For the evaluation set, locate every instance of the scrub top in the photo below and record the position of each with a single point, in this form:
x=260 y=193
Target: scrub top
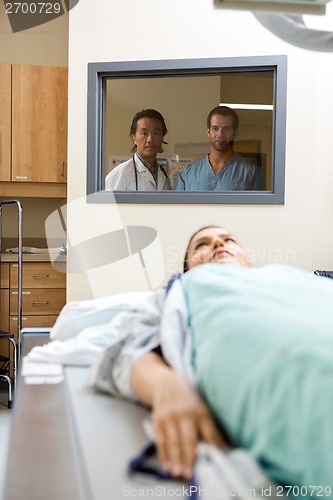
x=239 y=174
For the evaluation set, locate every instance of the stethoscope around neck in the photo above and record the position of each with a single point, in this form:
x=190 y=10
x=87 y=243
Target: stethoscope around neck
x=136 y=173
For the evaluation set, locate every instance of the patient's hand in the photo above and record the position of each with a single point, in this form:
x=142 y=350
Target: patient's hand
x=180 y=417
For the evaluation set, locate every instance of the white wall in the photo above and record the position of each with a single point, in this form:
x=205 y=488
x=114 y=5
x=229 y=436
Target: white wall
x=300 y=232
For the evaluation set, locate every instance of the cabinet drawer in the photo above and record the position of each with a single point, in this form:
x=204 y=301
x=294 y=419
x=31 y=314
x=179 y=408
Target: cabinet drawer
x=4 y=310
x=4 y=322
x=38 y=302
x=4 y=275
x=31 y=321
x=37 y=275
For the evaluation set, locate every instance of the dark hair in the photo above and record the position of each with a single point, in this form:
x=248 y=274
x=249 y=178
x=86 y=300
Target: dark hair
x=223 y=111
x=147 y=113
x=185 y=265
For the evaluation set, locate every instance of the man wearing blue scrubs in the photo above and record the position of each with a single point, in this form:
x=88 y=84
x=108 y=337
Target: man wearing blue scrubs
x=222 y=169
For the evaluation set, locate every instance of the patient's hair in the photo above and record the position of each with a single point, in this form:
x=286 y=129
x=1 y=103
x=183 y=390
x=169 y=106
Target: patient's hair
x=147 y=113
x=185 y=265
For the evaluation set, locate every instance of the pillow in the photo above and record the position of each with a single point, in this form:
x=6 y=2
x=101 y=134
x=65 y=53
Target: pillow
x=77 y=315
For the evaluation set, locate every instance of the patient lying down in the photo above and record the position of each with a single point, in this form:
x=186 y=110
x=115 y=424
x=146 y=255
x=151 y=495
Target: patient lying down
x=257 y=343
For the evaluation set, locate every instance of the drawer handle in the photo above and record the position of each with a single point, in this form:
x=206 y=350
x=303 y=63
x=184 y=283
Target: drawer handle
x=41 y=275
x=23 y=293
x=40 y=303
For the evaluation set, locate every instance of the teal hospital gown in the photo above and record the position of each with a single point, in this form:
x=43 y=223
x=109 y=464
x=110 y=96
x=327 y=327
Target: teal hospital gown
x=263 y=360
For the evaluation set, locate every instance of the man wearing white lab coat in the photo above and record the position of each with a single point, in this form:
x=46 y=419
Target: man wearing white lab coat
x=133 y=175
x=142 y=172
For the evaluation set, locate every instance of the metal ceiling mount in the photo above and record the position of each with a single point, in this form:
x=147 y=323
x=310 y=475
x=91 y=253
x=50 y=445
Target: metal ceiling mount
x=284 y=18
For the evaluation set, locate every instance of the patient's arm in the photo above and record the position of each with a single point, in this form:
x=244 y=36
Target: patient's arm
x=180 y=417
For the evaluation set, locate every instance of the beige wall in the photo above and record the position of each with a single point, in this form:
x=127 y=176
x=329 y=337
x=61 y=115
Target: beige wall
x=44 y=45
x=300 y=232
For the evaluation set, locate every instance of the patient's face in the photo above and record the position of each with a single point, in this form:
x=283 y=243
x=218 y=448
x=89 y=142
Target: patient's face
x=215 y=244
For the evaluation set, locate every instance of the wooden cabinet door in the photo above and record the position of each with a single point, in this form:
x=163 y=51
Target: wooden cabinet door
x=39 y=123
x=5 y=121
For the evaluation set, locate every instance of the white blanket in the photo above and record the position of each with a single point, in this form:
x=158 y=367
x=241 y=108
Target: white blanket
x=84 y=329
x=111 y=333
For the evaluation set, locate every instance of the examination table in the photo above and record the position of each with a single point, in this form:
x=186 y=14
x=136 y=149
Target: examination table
x=69 y=443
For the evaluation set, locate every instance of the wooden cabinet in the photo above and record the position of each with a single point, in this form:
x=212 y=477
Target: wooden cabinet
x=5 y=121
x=33 y=130
x=39 y=123
x=43 y=294
x=43 y=297
x=4 y=302
x=4 y=307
